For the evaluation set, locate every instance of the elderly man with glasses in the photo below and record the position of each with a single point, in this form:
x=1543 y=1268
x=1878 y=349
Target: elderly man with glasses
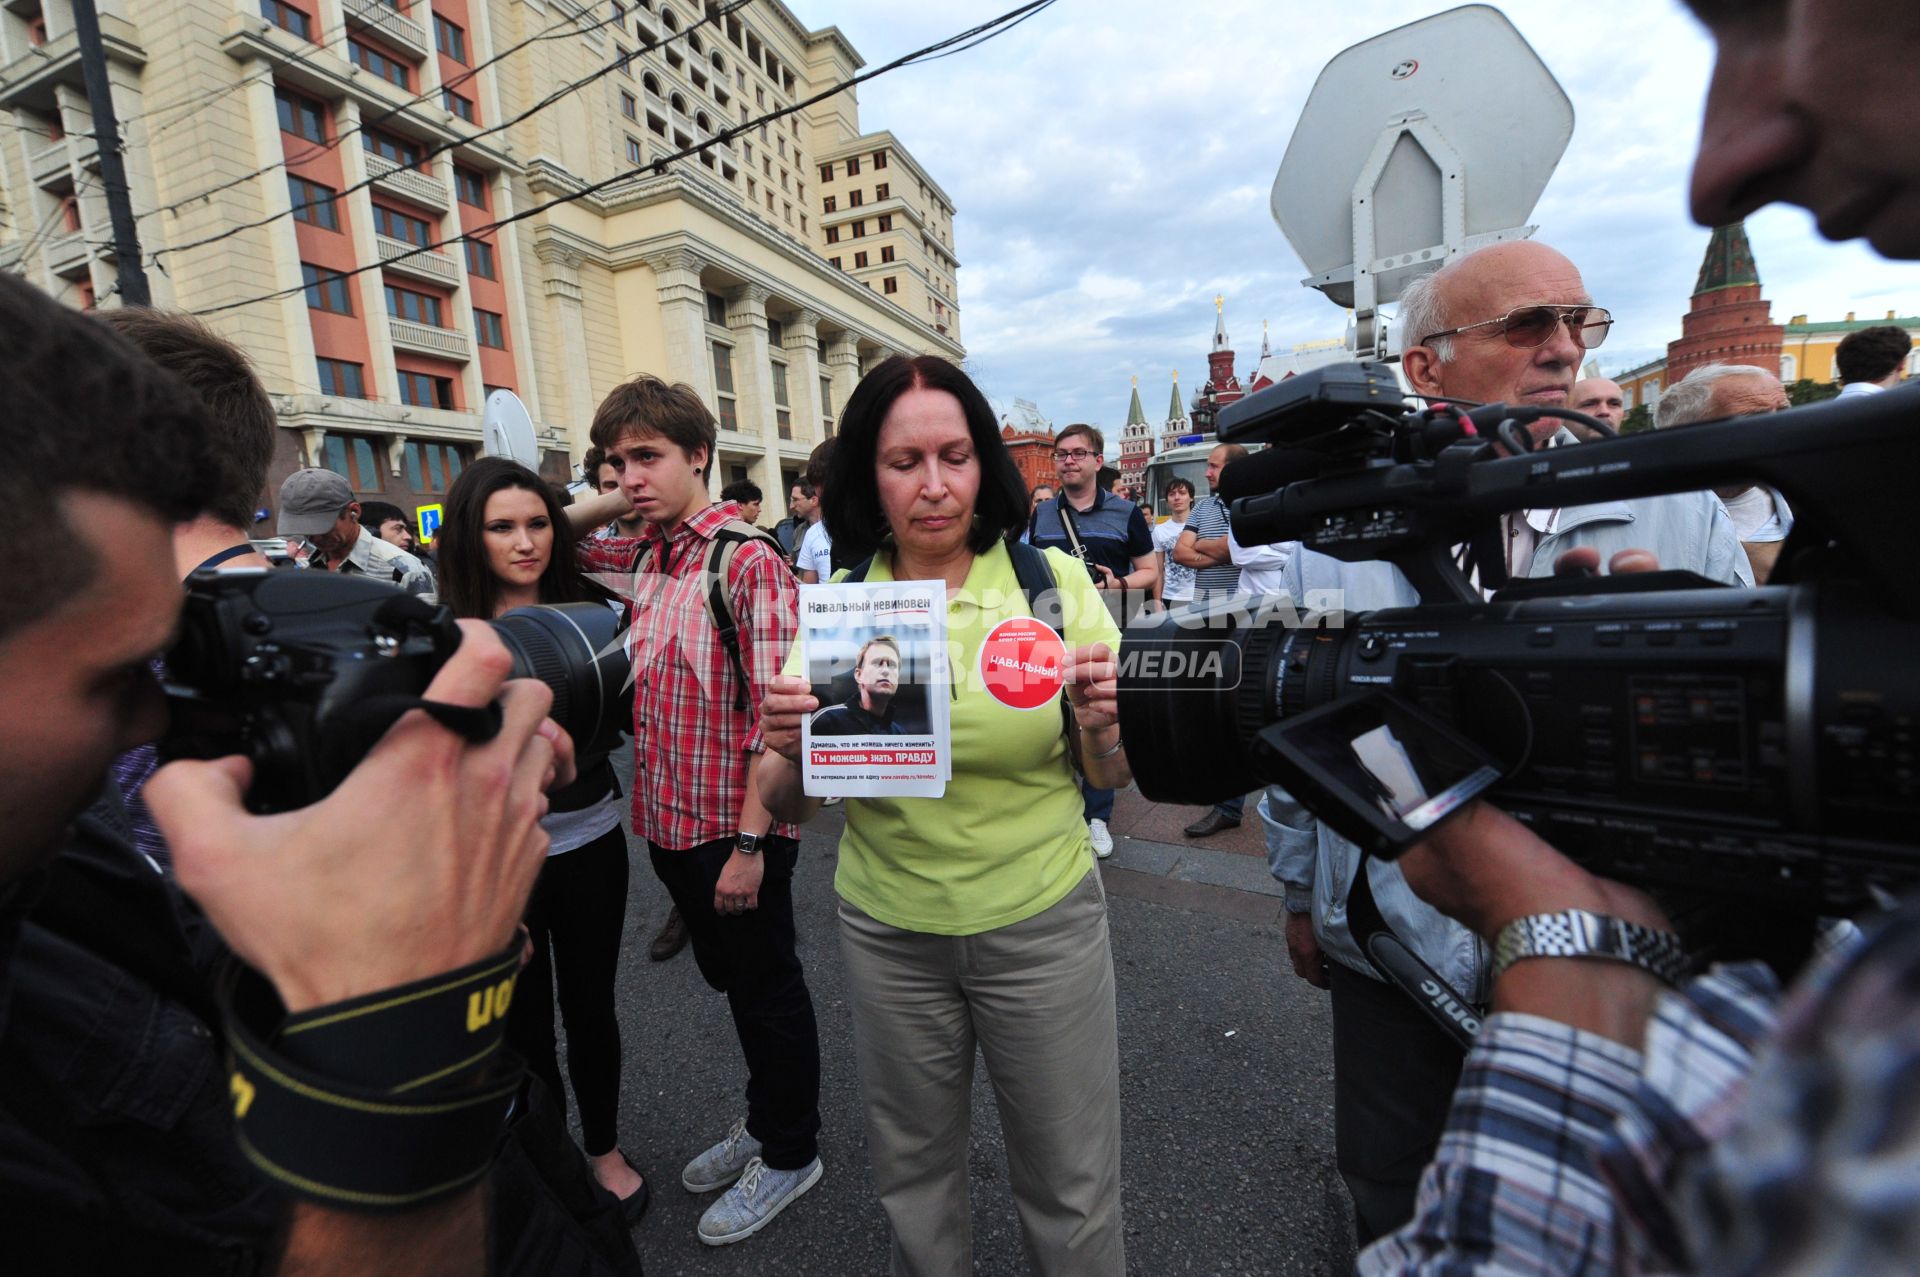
x=1511 y=323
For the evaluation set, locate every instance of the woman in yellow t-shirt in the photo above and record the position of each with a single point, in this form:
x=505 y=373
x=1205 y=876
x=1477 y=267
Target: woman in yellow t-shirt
x=977 y=918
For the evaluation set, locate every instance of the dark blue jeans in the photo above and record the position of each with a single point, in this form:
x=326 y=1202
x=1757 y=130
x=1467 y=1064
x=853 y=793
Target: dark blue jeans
x=1098 y=802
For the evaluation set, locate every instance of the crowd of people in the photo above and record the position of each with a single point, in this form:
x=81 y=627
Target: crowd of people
x=324 y=1040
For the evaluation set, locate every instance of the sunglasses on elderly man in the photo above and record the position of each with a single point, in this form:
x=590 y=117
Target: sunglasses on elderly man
x=1530 y=327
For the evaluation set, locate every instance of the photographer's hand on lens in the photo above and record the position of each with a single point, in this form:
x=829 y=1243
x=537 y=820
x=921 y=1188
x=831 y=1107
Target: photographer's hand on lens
x=1486 y=869
x=420 y=862
x=788 y=702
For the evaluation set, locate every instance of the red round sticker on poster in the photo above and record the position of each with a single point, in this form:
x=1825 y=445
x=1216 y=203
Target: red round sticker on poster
x=1023 y=663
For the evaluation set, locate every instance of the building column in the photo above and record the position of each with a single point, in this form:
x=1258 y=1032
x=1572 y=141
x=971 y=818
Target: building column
x=752 y=371
x=560 y=282
x=802 y=345
x=843 y=365
x=683 y=319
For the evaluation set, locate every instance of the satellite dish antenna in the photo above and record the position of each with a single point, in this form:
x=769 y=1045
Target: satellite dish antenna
x=1414 y=148
x=507 y=431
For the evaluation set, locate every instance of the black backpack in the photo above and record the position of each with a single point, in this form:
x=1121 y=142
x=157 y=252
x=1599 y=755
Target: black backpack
x=726 y=543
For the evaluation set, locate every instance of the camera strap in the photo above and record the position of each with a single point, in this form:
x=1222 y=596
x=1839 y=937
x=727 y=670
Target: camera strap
x=383 y=1102
x=1398 y=965
x=475 y=724
x=1072 y=527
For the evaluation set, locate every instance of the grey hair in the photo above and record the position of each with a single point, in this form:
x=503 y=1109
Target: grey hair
x=1692 y=398
x=1420 y=315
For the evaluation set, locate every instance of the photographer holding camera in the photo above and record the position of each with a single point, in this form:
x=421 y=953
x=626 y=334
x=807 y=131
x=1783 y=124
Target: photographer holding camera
x=1510 y=323
x=1604 y=1121
x=125 y=1144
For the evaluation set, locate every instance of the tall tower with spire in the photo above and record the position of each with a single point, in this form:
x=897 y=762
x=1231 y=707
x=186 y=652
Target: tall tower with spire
x=1223 y=386
x=1176 y=423
x=1136 y=444
x=1728 y=322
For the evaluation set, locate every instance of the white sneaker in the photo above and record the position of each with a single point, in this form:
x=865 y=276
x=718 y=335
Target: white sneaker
x=1102 y=840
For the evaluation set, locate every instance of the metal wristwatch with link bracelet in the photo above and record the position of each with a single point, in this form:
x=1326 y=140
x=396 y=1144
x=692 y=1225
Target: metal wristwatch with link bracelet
x=1578 y=933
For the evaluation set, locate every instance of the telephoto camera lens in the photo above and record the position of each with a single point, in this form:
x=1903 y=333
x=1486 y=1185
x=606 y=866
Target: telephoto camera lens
x=580 y=651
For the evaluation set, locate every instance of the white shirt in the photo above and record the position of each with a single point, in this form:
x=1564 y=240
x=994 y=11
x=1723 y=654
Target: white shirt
x=1759 y=514
x=816 y=552
x=1262 y=567
x=1853 y=388
x=1178 y=586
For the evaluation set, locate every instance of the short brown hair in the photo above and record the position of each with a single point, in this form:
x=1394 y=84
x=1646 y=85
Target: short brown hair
x=239 y=417
x=590 y=466
x=1097 y=440
x=817 y=462
x=649 y=406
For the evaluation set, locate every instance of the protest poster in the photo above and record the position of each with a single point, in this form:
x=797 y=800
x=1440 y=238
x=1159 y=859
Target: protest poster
x=875 y=654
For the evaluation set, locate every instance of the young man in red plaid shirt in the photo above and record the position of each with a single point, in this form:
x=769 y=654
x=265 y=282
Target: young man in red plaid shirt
x=727 y=864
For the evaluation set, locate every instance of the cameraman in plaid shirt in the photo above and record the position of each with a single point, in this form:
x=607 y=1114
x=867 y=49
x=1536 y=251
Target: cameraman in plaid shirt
x=727 y=864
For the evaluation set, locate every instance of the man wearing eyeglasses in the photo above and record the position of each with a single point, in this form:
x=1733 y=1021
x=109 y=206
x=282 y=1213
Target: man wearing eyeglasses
x=1110 y=535
x=1511 y=323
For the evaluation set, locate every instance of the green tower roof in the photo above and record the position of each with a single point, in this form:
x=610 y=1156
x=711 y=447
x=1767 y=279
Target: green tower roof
x=1729 y=260
x=1136 y=415
x=1176 y=411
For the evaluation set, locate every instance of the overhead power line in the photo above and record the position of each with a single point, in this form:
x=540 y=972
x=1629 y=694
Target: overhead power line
x=969 y=38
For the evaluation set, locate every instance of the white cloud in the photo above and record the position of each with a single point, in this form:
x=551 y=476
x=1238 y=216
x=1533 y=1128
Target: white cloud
x=1111 y=163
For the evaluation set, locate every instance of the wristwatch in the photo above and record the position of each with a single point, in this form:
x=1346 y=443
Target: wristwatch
x=1578 y=933
x=747 y=844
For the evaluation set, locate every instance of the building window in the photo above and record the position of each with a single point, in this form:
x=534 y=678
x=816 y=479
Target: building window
x=390 y=69
x=418 y=308
x=480 y=259
x=882 y=190
x=490 y=330
x=891 y=284
x=629 y=105
x=776 y=333
x=326 y=290
x=313 y=203
x=826 y=172
x=855 y=199
x=853 y=166
x=450 y=39
x=388 y=147
x=859 y=260
x=656 y=124
x=782 y=410
x=302 y=117
x=723 y=386
x=859 y=229
x=457 y=105
x=833 y=234
x=397 y=225
x=625 y=59
x=1789 y=369
x=885 y=222
x=879 y=159
x=716 y=309
x=425 y=391
x=281 y=15
x=353 y=458
x=341 y=379
x=432 y=467
x=886 y=254
x=470 y=186
x=636 y=154
x=834 y=262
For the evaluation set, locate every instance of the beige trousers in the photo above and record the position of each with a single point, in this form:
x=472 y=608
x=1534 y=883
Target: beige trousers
x=1037 y=998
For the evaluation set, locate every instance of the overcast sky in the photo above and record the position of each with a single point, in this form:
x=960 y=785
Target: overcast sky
x=1111 y=162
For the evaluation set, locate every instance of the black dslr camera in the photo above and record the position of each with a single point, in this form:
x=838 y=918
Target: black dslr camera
x=303 y=672
x=1757 y=745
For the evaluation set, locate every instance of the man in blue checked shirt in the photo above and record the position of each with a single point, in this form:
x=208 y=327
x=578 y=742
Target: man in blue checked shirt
x=1606 y=1121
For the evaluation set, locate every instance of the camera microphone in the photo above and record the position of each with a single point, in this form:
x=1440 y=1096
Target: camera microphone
x=1267 y=471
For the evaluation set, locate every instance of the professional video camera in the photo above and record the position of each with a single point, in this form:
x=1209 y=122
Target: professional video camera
x=304 y=671
x=1660 y=728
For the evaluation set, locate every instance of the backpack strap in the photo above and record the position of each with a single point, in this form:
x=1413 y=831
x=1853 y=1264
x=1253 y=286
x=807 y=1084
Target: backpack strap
x=1042 y=588
x=718 y=570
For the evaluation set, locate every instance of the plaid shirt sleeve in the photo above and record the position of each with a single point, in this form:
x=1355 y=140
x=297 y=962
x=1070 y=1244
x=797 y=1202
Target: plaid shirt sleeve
x=610 y=559
x=766 y=600
x=1562 y=1146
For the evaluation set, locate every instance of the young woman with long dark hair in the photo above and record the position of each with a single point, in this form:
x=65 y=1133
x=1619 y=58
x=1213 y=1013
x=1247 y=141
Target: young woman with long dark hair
x=505 y=544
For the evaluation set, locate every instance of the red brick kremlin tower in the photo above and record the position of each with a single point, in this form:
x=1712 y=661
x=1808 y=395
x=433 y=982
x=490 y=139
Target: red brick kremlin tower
x=1729 y=321
x=1223 y=386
